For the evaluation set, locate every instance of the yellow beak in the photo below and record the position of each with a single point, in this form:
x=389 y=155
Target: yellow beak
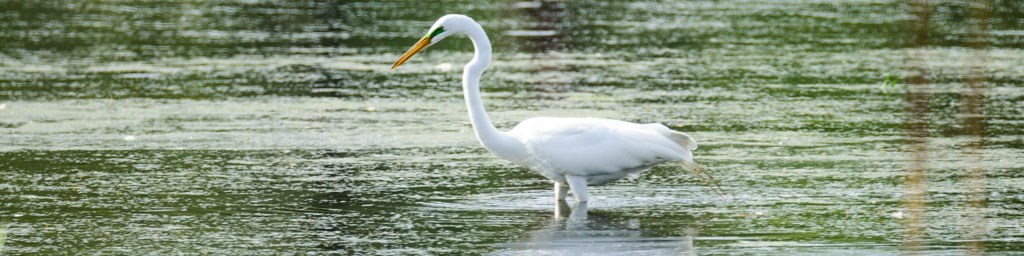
x=422 y=43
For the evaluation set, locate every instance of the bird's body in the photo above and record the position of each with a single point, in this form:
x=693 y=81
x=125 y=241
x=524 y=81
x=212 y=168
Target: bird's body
x=600 y=150
x=569 y=151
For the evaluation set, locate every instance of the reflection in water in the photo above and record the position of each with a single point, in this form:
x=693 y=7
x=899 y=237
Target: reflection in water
x=920 y=92
x=916 y=127
x=543 y=31
x=545 y=26
x=974 y=129
x=3 y=235
x=576 y=231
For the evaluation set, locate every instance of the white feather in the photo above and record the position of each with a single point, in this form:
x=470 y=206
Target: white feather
x=602 y=150
x=570 y=151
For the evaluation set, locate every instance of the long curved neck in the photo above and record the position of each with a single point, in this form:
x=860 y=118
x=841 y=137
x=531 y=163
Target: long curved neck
x=495 y=141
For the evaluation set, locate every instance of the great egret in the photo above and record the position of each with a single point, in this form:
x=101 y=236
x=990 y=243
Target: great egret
x=573 y=152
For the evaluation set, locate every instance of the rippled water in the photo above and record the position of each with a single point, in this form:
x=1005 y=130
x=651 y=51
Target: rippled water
x=250 y=127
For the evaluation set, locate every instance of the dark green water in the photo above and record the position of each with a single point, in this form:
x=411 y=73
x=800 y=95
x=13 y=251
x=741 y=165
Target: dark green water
x=249 y=127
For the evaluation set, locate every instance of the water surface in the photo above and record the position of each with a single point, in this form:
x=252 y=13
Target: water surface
x=248 y=127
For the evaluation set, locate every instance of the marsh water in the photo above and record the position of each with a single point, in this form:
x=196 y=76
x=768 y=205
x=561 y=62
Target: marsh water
x=252 y=127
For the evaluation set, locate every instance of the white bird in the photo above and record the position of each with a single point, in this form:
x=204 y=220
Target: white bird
x=573 y=152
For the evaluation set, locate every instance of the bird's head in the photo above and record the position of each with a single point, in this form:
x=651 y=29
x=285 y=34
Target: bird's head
x=445 y=26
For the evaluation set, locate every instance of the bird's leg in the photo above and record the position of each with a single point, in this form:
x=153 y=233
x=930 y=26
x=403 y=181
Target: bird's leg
x=561 y=190
x=562 y=210
x=579 y=212
x=578 y=184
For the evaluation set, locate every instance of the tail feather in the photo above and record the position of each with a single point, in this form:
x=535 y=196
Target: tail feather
x=680 y=138
x=683 y=139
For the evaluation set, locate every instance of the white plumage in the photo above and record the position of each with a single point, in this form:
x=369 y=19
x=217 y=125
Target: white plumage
x=569 y=151
x=601 y=150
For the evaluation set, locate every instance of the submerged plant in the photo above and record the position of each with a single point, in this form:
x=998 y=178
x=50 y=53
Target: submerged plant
x=889 y=82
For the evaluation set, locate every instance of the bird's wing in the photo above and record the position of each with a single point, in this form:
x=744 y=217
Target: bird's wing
x=591 y=146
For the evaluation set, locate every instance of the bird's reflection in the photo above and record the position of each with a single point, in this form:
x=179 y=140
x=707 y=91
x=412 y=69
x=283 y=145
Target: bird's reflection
x=577 y=231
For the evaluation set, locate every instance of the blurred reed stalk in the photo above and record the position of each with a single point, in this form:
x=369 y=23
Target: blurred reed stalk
x=916 y=127
x=973 y=94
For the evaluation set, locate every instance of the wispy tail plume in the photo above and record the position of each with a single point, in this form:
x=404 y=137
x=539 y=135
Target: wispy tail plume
x=704 y=176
